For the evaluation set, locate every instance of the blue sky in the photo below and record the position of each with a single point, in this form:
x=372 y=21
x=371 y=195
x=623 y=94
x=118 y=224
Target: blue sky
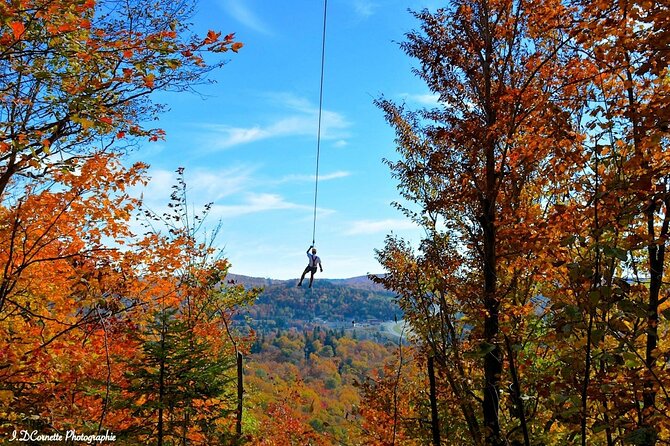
x=248 y=142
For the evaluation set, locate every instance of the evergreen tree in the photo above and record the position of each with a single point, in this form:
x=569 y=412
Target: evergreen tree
x=177 y=373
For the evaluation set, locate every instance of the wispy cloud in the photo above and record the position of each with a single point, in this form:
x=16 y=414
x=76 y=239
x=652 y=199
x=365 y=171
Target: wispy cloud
x=255 y=203
x=364 y=8
x=229 y=190
x=221 y=183
x=300 y=119
x=309 y=178
x=240 y=11
x=429 y=99
x=204 y=185
x=365 y=227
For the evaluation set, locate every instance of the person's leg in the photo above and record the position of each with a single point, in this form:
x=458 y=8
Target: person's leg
x=311 y=277
x=303 y=276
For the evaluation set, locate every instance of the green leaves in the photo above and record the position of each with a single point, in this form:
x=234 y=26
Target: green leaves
x=482 y=350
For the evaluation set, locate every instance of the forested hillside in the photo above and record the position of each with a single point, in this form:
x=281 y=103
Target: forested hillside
x=308 y=386
x=282 y=304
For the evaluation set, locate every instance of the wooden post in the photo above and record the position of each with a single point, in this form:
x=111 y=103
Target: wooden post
x=240 y=396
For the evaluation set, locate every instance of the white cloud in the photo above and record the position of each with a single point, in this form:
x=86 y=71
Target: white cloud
x=310 y=178
x=300 y=120
x=254 y=203
x=291 y=101
x=202 y=185
x=341 y=143
x=364 y=8
x=220 y=183
x=240 y=11
x=429 y=99
x=365 y=227
x=237 y=135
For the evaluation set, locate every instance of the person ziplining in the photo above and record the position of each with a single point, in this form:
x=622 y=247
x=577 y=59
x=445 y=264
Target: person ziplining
x=314 y=260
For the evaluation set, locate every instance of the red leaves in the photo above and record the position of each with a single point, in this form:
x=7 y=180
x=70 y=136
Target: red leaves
x=18 y=28
x=66 y=28
x=216 y=44
x=212 y=37
x=157 y=135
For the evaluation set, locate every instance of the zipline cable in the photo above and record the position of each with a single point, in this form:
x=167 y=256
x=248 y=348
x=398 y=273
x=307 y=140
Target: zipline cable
x=318 y=132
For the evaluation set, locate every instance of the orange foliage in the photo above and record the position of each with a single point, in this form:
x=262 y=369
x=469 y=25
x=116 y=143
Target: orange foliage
x=76 y=285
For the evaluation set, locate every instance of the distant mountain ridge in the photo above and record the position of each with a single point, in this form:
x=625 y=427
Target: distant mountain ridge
x=283 y=304
x=358 y=282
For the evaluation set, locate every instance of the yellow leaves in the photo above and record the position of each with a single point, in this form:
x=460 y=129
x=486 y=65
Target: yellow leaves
x=173 y=64
x=84 y=122
x=6 y=397
x=149 y=80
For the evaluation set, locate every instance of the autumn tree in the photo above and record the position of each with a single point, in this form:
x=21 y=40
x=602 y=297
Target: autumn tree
x=181 y=386
x=627 y=108
x=77 y=76
x=541 y=182
x=76 y=83
x=430 y=307
x=479 y=167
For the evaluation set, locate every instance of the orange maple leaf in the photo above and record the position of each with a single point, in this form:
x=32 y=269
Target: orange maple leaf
x=212 y=37
x=18 y=29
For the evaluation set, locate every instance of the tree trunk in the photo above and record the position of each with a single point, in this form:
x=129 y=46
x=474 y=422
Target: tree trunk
x=434 y=421
x=493 y=359
x=161 y=386
x=656 y=254
x=520 y=411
